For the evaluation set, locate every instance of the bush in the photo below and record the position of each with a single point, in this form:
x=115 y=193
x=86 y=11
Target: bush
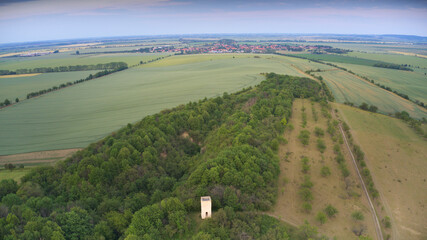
x=325 y=171
x=321 y=217
x=321 y=145
x=306 y=206
x=358 y=216
x=306 y=194
x=307 y=182
x=305 y=165
x=387 y=222
x=304 y=137
x=319 y=132
x=330 y=210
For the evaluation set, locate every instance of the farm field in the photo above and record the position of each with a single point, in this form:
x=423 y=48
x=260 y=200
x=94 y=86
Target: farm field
x=326 y=190
x=396 y=157
x=391 y=58
x=13 y=87
x=339 y=59
x=381 y=47
x=349 y=88
x=69 y=58
x=81 y=114
x=414 y=84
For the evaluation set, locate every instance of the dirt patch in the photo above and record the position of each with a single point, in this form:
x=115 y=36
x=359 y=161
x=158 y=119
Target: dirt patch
x=326 y=190
x=186 y=135
x=35 y=158
x=249 y=104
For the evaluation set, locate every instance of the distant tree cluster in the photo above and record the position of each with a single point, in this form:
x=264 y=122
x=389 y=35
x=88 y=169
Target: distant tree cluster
x=393 y=66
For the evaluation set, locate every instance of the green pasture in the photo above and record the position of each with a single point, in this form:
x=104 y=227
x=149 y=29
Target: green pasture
x=86 y=112
x=414 y=84
x=14 y=87
x=379 y=125
x=348 y=88
x=16 y=174
x=69 y=59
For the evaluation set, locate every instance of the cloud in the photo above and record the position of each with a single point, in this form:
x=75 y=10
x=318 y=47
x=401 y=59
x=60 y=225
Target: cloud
x=30 y=8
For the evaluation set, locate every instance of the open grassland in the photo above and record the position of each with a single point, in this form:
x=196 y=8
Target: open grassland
x=331 y=189
x=349 y=88
x=414 y=84
x=81 y=114
x=68 y=59
x=16 y=174
x=13 y=87
x=396 y=157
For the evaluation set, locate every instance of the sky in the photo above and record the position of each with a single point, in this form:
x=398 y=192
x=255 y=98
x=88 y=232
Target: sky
x=37 y=20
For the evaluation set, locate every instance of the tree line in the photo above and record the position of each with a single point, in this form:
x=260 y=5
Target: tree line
x=100 y=66
x=146 y=179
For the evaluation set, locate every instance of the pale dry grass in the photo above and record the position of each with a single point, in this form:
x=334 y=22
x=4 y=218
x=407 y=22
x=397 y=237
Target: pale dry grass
x=36 y=158
x=326 y=190
x=20 y=75
x=397 y=159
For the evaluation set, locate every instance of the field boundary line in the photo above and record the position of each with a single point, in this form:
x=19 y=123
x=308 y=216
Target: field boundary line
x=374 y=213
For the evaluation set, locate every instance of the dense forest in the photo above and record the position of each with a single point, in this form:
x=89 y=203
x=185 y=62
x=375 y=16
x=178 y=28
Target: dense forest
x=100 y=66
x=145 y=180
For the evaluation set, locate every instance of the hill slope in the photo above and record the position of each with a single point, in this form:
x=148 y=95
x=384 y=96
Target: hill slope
x=146 y=179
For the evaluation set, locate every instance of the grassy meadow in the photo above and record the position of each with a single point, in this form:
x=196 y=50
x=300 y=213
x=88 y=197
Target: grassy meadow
x=396 y=157
x=326 y=190
x=411 y=83
x=13 y=87
x=81 y=114
x=349 y=88
x=69 y=59
x=16 y=174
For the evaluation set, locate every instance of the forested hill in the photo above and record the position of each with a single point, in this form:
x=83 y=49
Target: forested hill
x=145 y=180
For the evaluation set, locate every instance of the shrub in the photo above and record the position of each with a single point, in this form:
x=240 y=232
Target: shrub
x=305 y=165
x=321 y=217
x=321 y=145
x=304 y=137
x=358 y=216
x=325 y=171
x=306 y=194
x=387 y=222
x=307 y=182
x=330 y=210
x=307 y=207
x=319 y=132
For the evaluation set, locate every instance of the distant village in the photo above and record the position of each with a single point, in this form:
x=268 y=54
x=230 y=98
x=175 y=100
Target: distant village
x=230 y=46
x=221 y=46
